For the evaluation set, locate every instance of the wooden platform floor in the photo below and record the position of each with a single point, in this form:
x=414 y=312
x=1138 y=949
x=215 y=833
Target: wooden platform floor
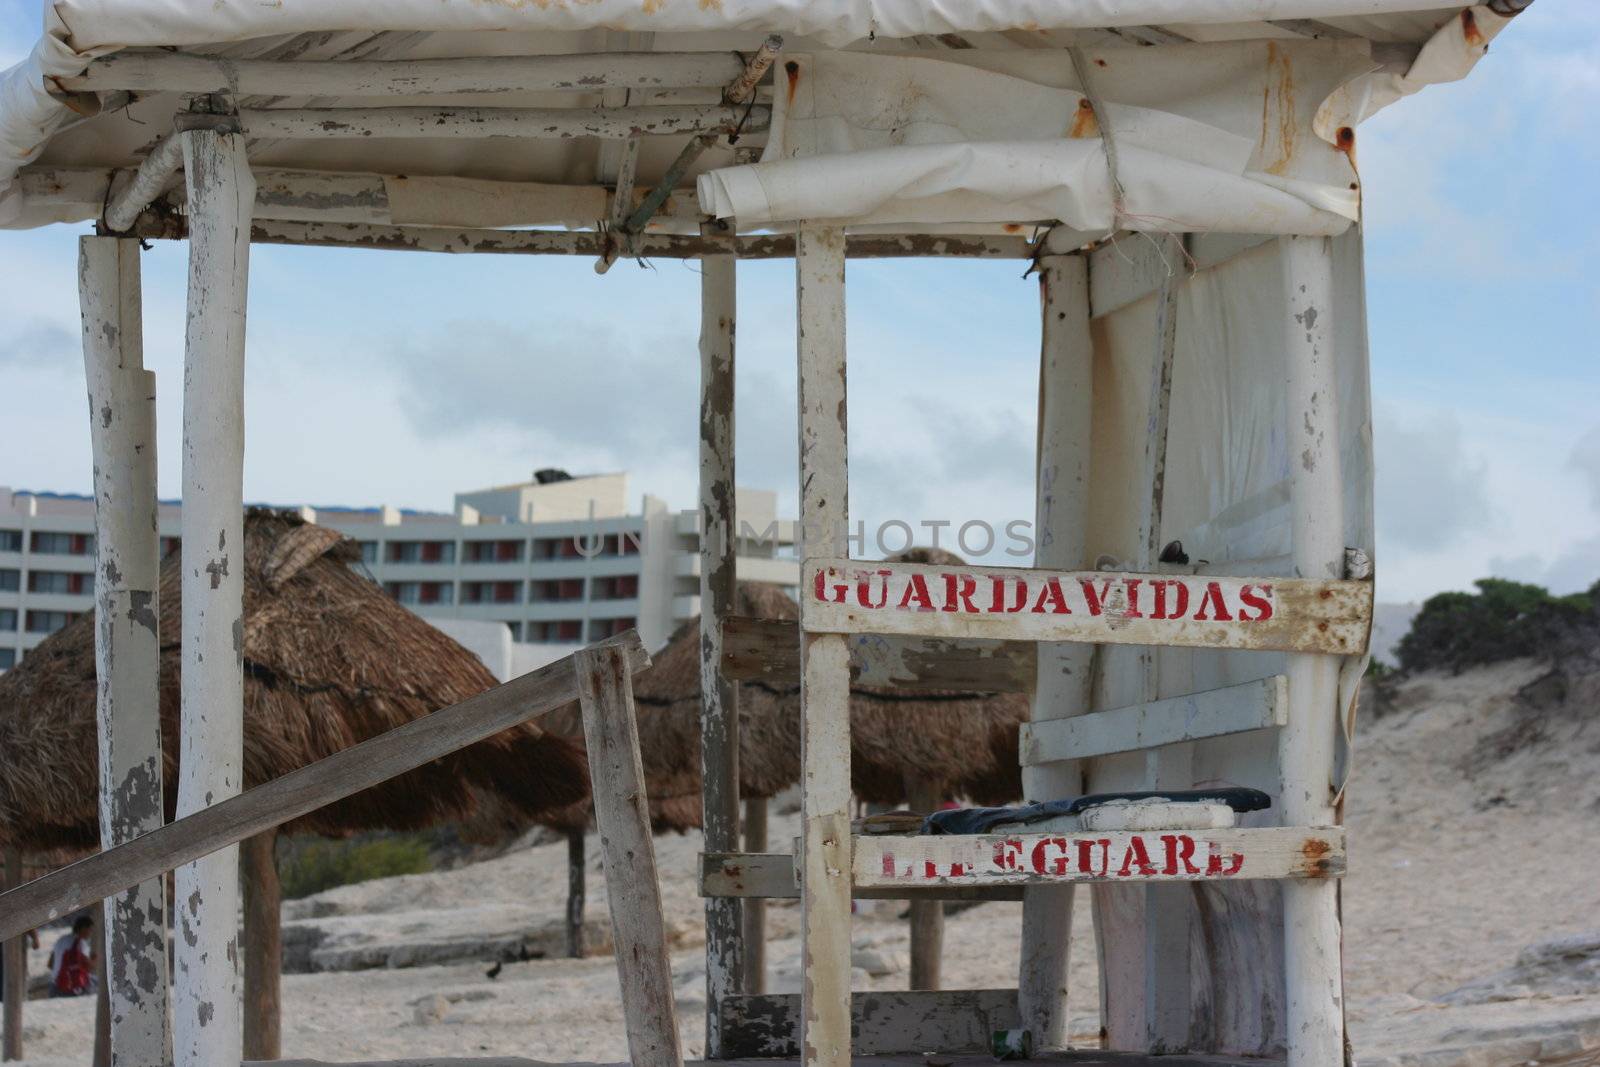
x=1076 y=1058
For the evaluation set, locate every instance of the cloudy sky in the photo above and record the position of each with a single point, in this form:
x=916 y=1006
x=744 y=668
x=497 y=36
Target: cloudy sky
x=1484 y=307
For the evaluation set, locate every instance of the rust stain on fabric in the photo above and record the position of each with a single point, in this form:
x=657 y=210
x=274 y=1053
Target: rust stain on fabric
x=1084 y=121
x=792 y=69
x=1277 y=113
x=1469 y=29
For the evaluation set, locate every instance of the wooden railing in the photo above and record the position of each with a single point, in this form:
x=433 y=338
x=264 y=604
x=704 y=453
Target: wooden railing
x=305 y=790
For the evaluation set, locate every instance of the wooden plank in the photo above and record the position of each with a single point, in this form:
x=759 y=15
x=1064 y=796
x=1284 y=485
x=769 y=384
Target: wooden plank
x=926 y=921
x=305 y=790
x=1064 y=673
x=755 y=908
x=262 y=923
x=768 y=650
x=1212 y=713
x=15 y=950
x=207 y=1023
x=122 y=424
x=177 y=72
x=771 y=876
x=476 y=123
x=719 y=713
x=622 y=814
x=1314 y=1015
x=1287 y=614
x=824 y=658
x=881 y=1022
x=1120 y=857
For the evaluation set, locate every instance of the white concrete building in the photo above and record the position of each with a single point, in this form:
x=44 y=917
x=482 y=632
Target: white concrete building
x=559 y=561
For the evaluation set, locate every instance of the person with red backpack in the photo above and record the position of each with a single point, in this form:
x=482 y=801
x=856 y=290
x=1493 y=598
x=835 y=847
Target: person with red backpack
x=72 y=961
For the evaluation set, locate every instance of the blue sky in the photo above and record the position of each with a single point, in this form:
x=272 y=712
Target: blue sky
x=1483 y=312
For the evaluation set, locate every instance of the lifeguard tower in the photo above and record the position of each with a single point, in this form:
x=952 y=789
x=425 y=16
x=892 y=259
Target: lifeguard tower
x=1182 y=179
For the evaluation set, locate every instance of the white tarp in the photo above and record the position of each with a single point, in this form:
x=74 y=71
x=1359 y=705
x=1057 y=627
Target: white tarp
x=962 y=172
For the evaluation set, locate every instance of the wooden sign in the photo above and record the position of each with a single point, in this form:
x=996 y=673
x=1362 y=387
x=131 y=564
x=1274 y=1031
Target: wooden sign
x=1287 y=614
x=1145 y=856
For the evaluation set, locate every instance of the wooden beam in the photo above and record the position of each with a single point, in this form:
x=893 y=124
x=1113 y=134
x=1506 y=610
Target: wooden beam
x=15 y=960
x=771 y=876
x=122 y=423
x=824 y=658
x=1125 y=857
x=622 y=814
x=263 y=947
x=476 y=123
x=1286 y=614
x=155 y=174
x=719 y=711
x=883 y=1023
x=1175 y=720
x=755 y=908
x=1314 y=1013
x=768 y=650
x=577 y=879
x=301 y=791
x=1064 y=672
x=177 y=72
x=206 y=1002
x=926 y=921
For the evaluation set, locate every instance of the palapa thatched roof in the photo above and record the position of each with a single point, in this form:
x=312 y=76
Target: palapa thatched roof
x=329 y=661
x=961 y=743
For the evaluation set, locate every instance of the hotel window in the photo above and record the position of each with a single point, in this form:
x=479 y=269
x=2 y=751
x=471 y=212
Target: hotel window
x=8 y=658
x=10 y=540
x=8 y=620
x=556 y=548
x=600 y=629
x=617 y=587
x=69 y=583
x=568 y=630
x=421 y=552
x=558 y=589
x=48 y=622
x=63 y=544
x=10 y=580
x=491 y=592
x=369 y=551
x=494 y=551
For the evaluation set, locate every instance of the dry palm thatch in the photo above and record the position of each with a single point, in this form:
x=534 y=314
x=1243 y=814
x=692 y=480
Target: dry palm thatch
x=329 y=661
x=958 y=743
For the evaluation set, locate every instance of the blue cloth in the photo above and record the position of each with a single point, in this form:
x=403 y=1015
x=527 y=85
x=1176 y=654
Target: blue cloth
x=983 y=820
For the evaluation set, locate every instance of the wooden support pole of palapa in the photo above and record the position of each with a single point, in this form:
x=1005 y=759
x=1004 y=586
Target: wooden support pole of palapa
x=14 y=964
x=263 y=946
x=824 y=658
x=206 y=1005
x=755 y=908
x=927 y=916
x=1313 y=974
x=1063 y=684
x=301 y=791
x=621 y=811
x=122 y=409
x=577 y=877
x=719 y=710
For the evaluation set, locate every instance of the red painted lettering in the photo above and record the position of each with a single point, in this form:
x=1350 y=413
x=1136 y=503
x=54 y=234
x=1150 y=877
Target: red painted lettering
x=888 y=864
x=1213 y=599
x=958 y=590
x=1217 y=868
x=1086 y=857
x=1132 y=610
x=917 y=593
x=1095 y=598
x=1136 y=856
x=819 y=589
x=997 y=596
x=1261 y=601
x=1180 y=599
x=864 y=588
x=1052 y=596
x=1180 y=849
x=1043 y=862
x=1007 y=854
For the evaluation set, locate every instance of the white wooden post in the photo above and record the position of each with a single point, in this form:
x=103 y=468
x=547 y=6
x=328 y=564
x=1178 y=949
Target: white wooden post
x=719 y=711
x=1168 y=910
x=122 y=422
x=1312 y=966
x=622 y=815
x=206 y=1006
x=824 y=658
x=1063 y=686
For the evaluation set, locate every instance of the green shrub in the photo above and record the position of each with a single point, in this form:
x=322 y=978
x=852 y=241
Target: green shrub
x=1502 y=620
x=309 y=865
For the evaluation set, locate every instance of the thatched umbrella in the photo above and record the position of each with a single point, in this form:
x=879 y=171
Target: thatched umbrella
x=329 y=661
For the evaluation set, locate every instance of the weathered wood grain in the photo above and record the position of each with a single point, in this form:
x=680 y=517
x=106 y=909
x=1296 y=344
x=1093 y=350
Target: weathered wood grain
x=1213 y=713
x=622 y=814
x=771 y=876
x=1285 y=614
x=298 y=792
x=1145 y=856
x=768 y=650
x=548 y=123
x=881 y=1022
